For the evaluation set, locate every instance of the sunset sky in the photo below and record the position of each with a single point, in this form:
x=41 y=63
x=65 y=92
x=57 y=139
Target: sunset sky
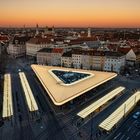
x=83 y=13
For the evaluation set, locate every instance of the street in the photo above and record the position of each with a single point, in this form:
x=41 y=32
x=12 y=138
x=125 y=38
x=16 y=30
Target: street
x=23 y=127
x=53 y=123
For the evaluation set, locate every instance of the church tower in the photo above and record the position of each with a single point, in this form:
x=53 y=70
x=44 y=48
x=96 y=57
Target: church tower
x=37 y=29
x=89 y=32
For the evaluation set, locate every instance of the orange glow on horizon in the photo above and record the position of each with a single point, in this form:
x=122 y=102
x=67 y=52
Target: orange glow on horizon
x=72 y=13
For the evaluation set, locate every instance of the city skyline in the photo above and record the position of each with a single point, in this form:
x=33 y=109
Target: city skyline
x=69 y=69
x=79 y=13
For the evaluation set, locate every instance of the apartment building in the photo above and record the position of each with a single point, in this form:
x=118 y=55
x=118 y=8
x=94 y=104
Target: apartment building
x=77 y=58
x=98 y=60
x=36 y=44
x=17 y=47
x=66 y=59
x=114 y=61
x=49 y=56
x=133 y=57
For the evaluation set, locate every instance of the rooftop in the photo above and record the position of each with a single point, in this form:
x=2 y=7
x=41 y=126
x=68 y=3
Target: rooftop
x=67 y=54
x=4 y=38
x=114 y=54
x=20 y=39
x=51 y=50
x=59 y=92
x=39 y=40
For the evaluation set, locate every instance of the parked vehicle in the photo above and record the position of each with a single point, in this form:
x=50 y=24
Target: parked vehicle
x=136 y=115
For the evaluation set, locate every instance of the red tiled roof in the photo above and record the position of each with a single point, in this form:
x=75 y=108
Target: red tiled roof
x=4 y=38
x=57 y=50
x=112 y=47
x=124 y=50
x=88 y=52
x=59 y=39
x=81 y=40
x=136 y=50
x=133 y=43
x=39 y=40
x=114 y=40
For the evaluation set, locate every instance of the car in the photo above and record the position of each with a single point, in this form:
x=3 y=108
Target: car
x=19 y=70
x=136 y=115
x=127 y=75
